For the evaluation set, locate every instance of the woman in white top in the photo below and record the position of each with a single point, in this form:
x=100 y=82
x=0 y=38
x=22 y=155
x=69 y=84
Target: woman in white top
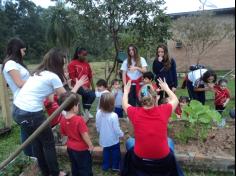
x=108 y=127
x=16 y=73
x=132 y=69
x=28 y=107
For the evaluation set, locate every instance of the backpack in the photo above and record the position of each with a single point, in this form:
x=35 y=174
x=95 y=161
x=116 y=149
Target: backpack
x=196 y=67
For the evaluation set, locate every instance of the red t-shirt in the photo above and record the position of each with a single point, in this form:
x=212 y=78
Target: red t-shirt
x=73 y=128
x=150 y=130
x=178 y=110
x=77 y=69
x=221 y=95
x=50 y=107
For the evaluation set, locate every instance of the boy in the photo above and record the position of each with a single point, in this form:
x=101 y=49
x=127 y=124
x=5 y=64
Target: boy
x=101 y=87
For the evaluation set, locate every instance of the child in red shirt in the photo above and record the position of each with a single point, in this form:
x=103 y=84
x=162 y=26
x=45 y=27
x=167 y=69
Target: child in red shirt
x=78 y=144
x=183 y=101
x=222 y=95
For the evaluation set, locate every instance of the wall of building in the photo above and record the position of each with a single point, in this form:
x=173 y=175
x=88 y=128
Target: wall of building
x=221 y=57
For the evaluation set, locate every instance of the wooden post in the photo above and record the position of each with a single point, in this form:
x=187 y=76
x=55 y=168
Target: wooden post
x=4 y=98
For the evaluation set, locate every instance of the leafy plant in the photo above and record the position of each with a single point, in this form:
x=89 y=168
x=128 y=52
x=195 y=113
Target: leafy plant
x=198 y=120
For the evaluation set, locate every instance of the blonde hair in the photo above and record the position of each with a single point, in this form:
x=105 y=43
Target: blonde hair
x=107 y=102
x=147 y=96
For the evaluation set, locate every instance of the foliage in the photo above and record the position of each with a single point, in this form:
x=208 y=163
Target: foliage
x=117 y=16
x=199 y=119
x=199 y=33
x=16 y=167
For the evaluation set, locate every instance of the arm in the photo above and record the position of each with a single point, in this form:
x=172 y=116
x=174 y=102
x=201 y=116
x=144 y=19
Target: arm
x=141 y=69
x=174 y=73
x=78 y=84
x=116 y=127
x=124 y=77
x=15 y=75
x=173 y=100
x=125 y=103
x=87 y=140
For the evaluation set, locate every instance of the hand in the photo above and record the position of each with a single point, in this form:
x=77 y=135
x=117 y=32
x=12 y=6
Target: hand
x=91 y=148
x=83 y=80
x=132 y=68
x=127 y=87
x=173 y=89
x=164 y=86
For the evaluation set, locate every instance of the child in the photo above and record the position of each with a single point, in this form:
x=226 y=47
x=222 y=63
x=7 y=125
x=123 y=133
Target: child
x=101 y=87
x=108 y=127
x=117 y=92
x=222 y=95
x=78 y=144
x=148 y=77
x=183 y=101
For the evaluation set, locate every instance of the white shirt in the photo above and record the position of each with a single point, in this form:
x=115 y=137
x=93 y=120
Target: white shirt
x=196 y=74
x=118 y=97
x=24 y=75
x=133 y=75
x=36 y=89
x=98 y=95
x=108 y=127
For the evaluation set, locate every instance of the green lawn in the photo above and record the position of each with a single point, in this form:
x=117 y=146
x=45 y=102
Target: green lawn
x=9 y=142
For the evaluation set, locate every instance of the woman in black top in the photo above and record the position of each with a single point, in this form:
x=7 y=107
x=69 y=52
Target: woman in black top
x=165 y=68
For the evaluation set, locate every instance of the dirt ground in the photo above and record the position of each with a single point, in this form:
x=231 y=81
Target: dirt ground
x=220 y=141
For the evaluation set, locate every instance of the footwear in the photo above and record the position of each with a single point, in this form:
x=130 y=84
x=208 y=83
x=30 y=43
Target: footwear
x=116 y=170
x=64 y=173
x=88 y=114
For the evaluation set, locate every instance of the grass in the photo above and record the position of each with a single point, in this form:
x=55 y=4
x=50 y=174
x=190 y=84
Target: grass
x=9 y=142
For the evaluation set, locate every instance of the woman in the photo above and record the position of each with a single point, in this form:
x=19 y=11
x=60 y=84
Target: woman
x=78 y=67
x=132 y=69
x=164 y=67
x=198 y=82
x=16 y=73
x=151 y=154
x=28 y=107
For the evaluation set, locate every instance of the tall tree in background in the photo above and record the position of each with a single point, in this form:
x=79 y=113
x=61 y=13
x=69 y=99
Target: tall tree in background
x=61 y=31
x=116 y=14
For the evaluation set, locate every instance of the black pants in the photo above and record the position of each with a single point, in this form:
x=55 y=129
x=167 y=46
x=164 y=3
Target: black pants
x=194 y=95
x=220 y=108
x=133 y=99
x=81 y=162
x=88 y=97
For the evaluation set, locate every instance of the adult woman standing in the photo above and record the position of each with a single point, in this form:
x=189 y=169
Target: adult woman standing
x=28 y=107
x=165 y=67
x=16 y=74
x=132 y=69
x=151 y=154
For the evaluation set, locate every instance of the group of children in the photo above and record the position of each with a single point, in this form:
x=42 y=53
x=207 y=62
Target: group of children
x=109 y=110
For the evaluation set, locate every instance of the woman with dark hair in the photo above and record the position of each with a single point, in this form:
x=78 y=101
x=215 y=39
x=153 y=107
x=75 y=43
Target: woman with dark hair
x=164 y=67
x=16 y=74
x=78 y=67
x=28 y=107
x=132 y=69
x=198 y=82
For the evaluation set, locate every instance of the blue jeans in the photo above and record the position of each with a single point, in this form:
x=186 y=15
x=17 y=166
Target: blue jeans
x=119 y=112
x=131 y=141
x=111 y=157
x=43 y=145
x=88 y=97
x=81 y=162
x=28 y=150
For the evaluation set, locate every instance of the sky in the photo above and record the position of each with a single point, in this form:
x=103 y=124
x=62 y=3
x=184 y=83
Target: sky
x=173 y=6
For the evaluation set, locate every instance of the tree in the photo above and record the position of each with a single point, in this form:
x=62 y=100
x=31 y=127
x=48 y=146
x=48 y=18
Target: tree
x=61 y=31
x=199 y=33
x=115 y=15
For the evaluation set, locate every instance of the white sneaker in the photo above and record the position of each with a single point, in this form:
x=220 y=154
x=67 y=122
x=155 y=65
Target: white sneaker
x=88 y=114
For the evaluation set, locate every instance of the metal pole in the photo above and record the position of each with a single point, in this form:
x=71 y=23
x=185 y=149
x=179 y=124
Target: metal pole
x=37 y=132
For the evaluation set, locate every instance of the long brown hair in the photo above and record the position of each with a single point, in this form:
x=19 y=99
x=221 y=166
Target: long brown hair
x=136 y=56
x=53 y=61
x=13 y=51
x=166 y=59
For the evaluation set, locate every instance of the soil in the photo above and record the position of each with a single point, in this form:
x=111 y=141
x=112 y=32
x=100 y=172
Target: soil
x=219 y=142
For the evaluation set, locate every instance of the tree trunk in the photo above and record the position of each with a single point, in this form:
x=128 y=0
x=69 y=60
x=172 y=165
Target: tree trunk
x=116 y=44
